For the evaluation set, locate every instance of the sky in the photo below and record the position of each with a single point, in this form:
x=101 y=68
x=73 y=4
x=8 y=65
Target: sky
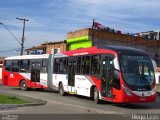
x=51 y=20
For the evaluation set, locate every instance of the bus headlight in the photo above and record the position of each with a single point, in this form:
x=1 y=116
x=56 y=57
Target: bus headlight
x=127 y=91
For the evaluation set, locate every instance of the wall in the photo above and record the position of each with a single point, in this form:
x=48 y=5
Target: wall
x=78 y=33
x=152 y=47
x=79 y=42
x=50 y=47
x=46 y=48
x=151 y=51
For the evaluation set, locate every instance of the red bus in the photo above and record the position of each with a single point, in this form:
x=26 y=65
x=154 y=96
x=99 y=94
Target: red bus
x=111 y=73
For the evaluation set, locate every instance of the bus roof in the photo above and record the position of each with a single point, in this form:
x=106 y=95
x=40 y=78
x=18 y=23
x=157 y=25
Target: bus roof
x=123 y=49
x=42 y=56
x=100 y=49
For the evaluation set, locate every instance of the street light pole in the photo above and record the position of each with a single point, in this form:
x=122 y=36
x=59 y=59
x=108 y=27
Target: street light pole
x=22 y=44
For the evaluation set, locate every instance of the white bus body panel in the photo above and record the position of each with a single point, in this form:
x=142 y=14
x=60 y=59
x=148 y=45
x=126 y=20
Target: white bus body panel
x=157 y=77
x=82 y=85
x=26 y=75
x=57 y=78
x=43 y=79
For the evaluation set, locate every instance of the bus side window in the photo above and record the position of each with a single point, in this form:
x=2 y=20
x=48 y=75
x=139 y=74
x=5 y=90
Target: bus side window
x=79 y=65
x=95 y=64
x=63 y=65
x=85 y=64
x=24 y=66
x=15 y=66
x=44 y=66
x=56 y=65
x=8 y=65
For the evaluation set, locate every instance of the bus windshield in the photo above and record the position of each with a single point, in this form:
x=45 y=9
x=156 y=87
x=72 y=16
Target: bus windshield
x=138 y=72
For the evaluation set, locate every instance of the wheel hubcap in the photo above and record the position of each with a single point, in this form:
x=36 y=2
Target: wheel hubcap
x=24 y=85
x=61 y=91
x=95 y=95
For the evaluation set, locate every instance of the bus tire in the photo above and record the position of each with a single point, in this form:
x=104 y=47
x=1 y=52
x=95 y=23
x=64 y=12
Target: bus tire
x=23 y=85
x=61 y=90
x=96 y=96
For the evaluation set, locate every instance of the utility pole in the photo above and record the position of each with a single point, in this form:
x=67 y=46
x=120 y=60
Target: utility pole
x=22 y=43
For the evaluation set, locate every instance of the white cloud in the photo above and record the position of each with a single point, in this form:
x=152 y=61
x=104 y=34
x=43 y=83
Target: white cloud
x=121 y=12
x=52 y=20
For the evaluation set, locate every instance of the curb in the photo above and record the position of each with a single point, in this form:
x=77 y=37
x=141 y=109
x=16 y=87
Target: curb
x=3 y=106
x=35 y=101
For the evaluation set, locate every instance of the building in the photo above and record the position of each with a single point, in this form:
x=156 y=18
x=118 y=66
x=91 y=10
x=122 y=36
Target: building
x=154 y=35
x=47 y=48
x=1 y=60
x=91 y=37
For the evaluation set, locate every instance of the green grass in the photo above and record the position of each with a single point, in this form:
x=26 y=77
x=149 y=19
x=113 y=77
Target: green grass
x=4 y=99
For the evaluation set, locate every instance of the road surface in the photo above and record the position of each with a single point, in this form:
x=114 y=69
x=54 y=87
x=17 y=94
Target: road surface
x=67 y=105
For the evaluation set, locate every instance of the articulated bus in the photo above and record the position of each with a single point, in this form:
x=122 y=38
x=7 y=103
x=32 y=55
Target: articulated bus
x=110 y=73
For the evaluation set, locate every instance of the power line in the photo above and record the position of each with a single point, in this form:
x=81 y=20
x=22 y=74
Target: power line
x=9 y=50
x=10 y=33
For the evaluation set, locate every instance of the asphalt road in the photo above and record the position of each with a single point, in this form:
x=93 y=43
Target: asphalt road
x=73 y=105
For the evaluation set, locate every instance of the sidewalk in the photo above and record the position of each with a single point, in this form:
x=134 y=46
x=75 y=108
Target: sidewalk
x=34 y=101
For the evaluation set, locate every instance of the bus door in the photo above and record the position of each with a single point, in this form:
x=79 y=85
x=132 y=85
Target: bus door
x=71 y=74
x=107 y=76
x=35 y=74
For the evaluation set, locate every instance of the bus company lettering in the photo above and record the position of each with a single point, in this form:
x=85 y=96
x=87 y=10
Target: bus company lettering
x=80 y=78
x=11 y=76
x=84 y=53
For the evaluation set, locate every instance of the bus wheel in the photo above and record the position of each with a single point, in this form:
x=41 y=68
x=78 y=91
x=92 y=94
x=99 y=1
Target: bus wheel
x=23 y=85
x=96 y=96
x=61 y=89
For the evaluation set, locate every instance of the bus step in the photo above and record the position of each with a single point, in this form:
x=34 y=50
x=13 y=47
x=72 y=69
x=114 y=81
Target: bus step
x=72 y=93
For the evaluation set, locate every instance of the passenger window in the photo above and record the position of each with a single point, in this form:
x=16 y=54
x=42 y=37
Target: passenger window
x=44 y=66
x=62 y=65
x=56 y=65
x=24 y=66
x=15 y=66
x=85 y=64
x=95 y=64
x=8 y=65
x=79 y=65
